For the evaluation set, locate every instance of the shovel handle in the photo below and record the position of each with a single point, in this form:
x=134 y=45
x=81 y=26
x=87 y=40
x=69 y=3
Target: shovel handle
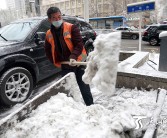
x=75 y=63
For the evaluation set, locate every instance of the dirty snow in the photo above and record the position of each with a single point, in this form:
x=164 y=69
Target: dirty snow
x=101 y=70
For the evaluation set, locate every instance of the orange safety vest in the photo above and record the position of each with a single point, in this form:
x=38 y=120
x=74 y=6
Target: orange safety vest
x=67 y=37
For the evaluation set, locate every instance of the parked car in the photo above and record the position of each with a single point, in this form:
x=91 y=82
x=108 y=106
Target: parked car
x=23 y=62
x=151 y=33
x=127 y=32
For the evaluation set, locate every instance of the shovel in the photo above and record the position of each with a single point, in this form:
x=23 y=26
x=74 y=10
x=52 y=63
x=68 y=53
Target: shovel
x=75 y=63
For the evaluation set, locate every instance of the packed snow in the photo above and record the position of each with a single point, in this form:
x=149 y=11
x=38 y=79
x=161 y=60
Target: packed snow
x=101 y=70
x=109 y=117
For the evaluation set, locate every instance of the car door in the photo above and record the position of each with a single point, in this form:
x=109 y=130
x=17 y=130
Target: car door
x=122 y=32
x=126 y=32
x=46 y=68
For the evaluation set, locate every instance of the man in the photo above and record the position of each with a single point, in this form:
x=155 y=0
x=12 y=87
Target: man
x=64 y=43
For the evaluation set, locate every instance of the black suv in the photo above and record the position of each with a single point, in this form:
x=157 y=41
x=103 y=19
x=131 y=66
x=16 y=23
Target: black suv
x=151 y=33
x=22 y=57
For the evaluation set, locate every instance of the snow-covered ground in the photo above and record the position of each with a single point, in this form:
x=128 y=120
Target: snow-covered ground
x=110 y=116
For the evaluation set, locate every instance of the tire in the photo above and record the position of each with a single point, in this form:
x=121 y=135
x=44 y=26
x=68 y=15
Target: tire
x=89 y=49
x=16 y=85
x=153 y=41
x=134 y=37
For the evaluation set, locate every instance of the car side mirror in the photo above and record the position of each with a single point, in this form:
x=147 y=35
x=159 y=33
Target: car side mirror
x=40 y=38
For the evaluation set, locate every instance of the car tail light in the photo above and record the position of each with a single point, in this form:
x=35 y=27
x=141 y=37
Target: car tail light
x=95 y=33
x=145 y=33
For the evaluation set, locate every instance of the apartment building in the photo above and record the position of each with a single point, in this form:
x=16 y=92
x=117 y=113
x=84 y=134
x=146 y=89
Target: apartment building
x=16 y=4
x=17 y=7
x=11 y=4
x=97 y=8
x=68 y=7
x=161 y=10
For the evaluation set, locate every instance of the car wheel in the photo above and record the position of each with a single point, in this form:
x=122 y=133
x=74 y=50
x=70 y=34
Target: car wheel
x=134 y=37
x=16 y=85
x=153 y=41
x=89 y=49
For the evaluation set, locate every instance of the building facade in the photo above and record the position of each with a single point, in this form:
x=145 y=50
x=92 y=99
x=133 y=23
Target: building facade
x=161 y=10
x=97 y=8
x=15 y=4
x=16 y=7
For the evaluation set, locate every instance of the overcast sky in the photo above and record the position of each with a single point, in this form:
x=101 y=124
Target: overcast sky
x=3 y=4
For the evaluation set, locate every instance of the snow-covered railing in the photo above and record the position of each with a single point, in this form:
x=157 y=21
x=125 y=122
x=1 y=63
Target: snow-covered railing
x=156 y=115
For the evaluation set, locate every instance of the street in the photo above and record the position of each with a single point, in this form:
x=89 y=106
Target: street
x=133 y=45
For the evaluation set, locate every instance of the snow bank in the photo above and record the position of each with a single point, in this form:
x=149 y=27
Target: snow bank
x=62 y=117
x=109 y=117
x=102 y=64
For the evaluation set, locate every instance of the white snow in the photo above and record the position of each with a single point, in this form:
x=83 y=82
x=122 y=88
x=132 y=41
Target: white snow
x=163 y=34
x=102 y=64
x=62 y=117
x=148 y=65
x=109 y=117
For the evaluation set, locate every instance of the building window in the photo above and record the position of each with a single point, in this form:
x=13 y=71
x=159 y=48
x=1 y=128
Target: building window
x=61 y=5
x=79 y=2
x=99 y=1
x=106 y=6
x=79 y=10
x=67 y=4
x=99 y=7
x=73 y=11
x=73 y=3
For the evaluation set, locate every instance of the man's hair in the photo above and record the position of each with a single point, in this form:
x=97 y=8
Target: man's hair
x=52 y=10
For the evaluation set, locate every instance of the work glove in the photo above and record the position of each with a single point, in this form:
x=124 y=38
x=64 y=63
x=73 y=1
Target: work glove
x=72 y=62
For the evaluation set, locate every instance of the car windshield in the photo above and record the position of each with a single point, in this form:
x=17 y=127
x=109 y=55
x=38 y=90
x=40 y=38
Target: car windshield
x=17 y=31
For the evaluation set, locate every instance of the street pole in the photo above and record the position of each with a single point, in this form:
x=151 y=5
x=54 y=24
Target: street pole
x=140 y=22
x=86 y=10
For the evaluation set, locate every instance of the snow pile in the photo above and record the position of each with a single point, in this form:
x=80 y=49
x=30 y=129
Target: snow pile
x=70 y=85
x=101 y=70
x=135 y=102
x=62 y=117
x=110 y=117
x=163 y=34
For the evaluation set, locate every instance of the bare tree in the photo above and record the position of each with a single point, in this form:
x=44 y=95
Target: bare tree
x=93 y=6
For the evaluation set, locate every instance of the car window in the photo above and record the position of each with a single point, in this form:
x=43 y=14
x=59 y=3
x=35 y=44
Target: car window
x=17 y=31
x=70 y=21
x=126 y=29
x=152 y=29
x=119 y=28
x=45 y=25
x=85 y=26
x=162 y=28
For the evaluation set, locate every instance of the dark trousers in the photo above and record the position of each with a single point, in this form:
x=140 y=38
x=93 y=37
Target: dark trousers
x=84 y=88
